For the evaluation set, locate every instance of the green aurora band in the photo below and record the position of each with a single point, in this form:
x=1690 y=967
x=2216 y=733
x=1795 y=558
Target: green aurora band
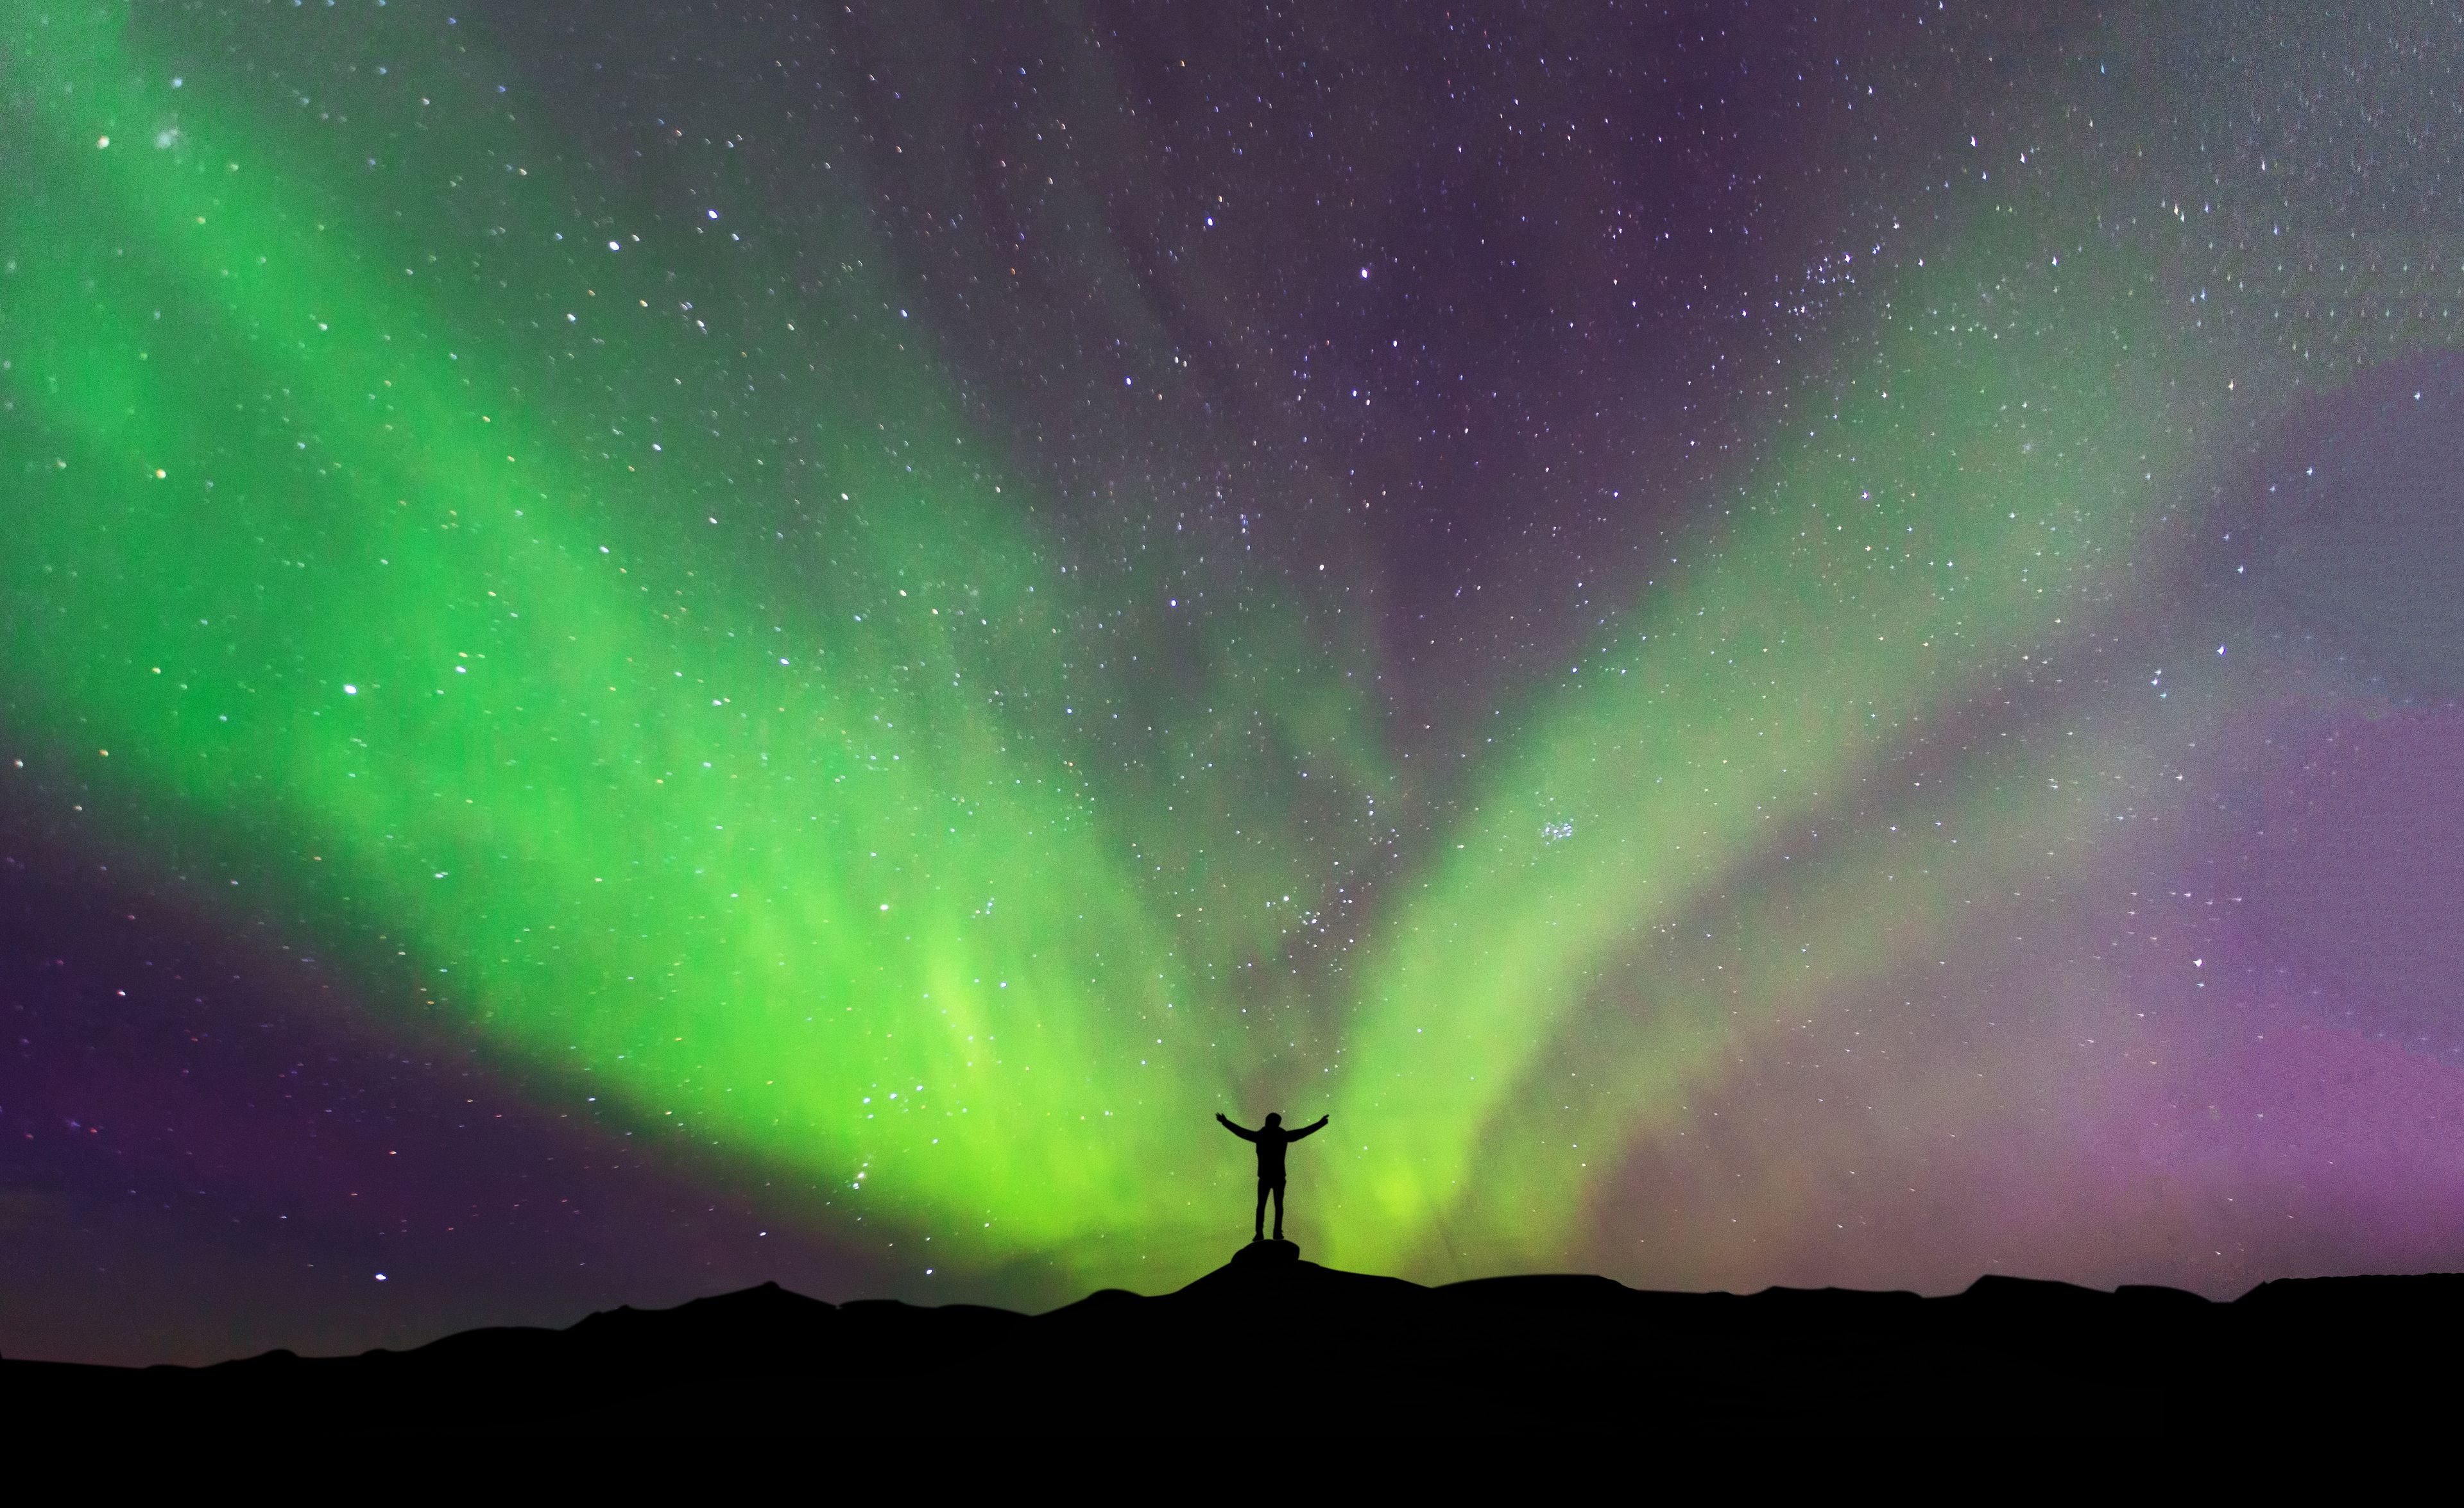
x=781 y=872
x=740 y=783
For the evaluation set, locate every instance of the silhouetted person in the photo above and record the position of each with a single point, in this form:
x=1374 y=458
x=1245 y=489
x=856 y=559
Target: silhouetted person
x=1271 y=1138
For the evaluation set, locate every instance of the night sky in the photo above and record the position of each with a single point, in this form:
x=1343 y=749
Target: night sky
x=647 y=647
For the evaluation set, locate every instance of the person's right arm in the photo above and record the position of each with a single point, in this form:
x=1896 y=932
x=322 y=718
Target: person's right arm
x=1245 y=1135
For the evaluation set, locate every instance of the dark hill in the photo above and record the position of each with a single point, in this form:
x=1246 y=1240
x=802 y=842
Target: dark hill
x=1342 y=1352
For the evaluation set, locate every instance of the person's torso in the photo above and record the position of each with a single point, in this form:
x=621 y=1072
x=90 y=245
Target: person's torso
x=1270 y=1152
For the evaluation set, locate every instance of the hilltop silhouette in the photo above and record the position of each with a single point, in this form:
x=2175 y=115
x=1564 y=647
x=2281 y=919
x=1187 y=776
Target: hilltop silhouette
x=1543 y=1353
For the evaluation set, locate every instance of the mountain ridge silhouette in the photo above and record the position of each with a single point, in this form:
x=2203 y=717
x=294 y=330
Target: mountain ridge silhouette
x=1542 y=1352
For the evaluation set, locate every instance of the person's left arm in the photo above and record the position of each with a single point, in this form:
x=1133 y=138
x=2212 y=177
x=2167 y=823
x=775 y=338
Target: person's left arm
x=1311 y=1130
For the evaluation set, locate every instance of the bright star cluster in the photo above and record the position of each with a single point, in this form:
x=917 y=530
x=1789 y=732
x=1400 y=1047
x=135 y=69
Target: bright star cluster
x=644 y=652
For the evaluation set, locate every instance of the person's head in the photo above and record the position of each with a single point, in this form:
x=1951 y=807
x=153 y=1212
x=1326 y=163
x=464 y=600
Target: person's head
x=1274 y=1117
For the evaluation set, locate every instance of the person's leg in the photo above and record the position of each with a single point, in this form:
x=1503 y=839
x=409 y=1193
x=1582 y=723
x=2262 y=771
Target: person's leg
x=1279 y=1212
x=1257 y=1227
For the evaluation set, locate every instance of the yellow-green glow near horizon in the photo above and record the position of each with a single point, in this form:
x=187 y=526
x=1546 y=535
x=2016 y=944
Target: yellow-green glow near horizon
x=747 y=783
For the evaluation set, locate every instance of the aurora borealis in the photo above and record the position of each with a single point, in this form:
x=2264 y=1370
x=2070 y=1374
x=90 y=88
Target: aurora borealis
x=647 y=649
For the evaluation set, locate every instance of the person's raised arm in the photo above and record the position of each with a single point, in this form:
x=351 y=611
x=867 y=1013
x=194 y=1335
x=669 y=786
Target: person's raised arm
x=1245 y=1135
x=1311 y=1130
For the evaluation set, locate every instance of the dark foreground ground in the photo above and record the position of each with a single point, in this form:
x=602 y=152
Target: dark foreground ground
x=1272 y=1345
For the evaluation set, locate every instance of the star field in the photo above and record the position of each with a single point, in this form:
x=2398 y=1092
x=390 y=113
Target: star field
x=647 y=649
